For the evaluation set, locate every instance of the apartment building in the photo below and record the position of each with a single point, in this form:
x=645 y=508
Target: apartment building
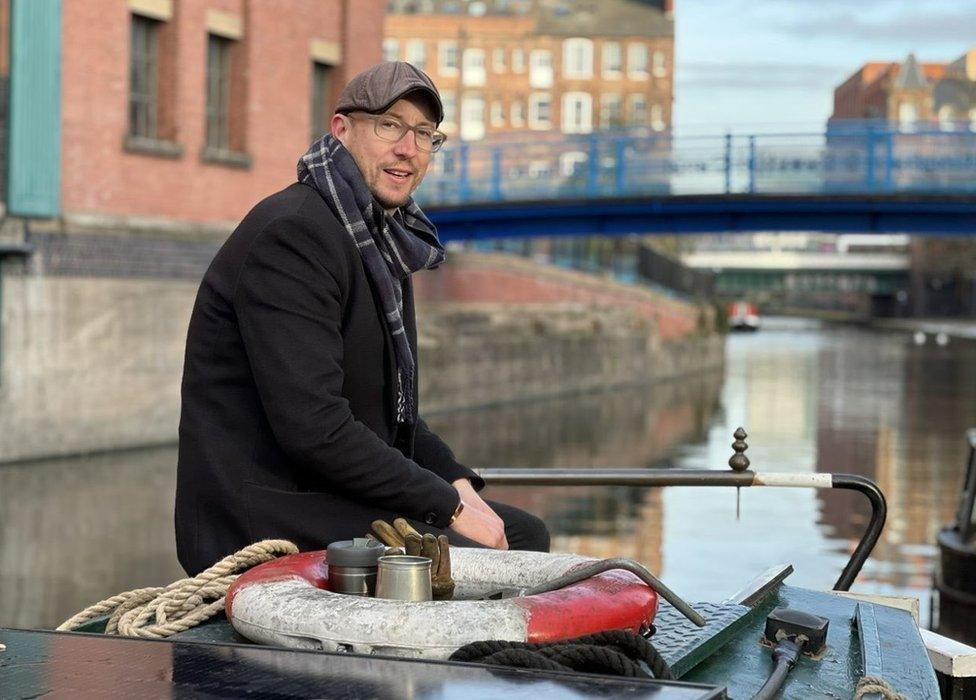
x=556 y=66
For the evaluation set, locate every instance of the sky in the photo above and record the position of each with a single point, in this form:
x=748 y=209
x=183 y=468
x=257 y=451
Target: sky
x=772 y=65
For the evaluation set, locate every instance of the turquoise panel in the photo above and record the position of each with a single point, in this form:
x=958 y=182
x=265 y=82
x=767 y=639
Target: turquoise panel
x=899 y=654
x=34 y=177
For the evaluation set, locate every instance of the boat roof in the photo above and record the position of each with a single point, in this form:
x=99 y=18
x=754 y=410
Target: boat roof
x=36 y=663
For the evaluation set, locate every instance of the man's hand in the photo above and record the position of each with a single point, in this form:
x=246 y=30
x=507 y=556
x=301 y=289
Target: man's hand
x=477 y=520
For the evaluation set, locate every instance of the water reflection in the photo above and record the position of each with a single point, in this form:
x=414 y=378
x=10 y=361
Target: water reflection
x=75 y=531
x=812 y=399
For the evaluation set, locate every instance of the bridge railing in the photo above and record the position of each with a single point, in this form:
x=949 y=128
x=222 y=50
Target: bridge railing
x=846 y=158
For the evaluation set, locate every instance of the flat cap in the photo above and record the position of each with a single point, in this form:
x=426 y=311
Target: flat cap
x=376 y=88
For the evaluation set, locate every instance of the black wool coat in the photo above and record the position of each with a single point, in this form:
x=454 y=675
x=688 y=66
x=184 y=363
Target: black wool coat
x=288 y=424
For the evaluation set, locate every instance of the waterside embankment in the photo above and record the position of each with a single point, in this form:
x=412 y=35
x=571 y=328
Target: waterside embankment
x=93 y=328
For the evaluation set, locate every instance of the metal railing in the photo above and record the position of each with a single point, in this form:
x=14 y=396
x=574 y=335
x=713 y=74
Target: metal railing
x=966 y=515
x=656 y=478
x=853 y=157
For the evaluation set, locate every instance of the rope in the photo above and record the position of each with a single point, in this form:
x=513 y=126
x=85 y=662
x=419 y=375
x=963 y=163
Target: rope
x=164 y=611
x=614 y=652
x=870 y=685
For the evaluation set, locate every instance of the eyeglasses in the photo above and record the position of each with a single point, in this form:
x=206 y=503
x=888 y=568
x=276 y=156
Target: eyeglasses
x=392 y=129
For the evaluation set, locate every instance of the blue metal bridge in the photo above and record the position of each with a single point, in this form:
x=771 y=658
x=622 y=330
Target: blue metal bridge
x=853 y=177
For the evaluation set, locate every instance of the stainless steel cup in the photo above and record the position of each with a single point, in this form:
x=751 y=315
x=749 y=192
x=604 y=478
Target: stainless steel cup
x=402 y=577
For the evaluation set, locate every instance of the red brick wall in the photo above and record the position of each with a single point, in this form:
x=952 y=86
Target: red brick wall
x=100 y=177
x=502 y=279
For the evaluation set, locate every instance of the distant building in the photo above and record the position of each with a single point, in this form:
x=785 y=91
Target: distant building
x=894 y=92
x=910 y=92
x=954 y=96
x=562 y=66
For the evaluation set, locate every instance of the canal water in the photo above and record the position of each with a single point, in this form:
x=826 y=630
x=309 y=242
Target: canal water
x=812 y=398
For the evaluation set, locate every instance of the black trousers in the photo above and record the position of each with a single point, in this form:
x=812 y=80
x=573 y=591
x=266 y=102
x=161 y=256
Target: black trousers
x=523 y=530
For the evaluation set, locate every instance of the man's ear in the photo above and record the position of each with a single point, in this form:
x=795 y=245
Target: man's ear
x=339 y=126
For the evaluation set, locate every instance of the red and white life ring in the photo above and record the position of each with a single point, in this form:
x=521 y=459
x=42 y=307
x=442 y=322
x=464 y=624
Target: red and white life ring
x=286 y=602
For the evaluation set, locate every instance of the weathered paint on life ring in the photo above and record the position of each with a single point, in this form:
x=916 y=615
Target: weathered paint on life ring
x=287 y=602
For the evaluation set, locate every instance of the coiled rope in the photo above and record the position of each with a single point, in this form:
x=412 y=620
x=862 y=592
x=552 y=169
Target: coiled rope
x=160 y=612
x=614 y=652
x=873 y=685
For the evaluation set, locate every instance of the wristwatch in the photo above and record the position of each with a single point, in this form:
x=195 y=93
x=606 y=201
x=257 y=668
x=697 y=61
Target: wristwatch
x=457 y=512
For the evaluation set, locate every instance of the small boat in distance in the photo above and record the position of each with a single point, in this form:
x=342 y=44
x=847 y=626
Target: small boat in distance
x=743 y=316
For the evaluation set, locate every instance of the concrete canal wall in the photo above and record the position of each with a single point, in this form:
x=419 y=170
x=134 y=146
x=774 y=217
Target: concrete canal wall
x=93 y=328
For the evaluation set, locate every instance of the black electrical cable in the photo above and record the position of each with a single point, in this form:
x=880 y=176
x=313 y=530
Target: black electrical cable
x=785 y=655
x=590 y=569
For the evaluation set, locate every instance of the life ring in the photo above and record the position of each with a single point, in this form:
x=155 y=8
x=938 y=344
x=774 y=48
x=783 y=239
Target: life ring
x=286 y=602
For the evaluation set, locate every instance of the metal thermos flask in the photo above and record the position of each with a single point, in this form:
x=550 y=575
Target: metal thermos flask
x=352 y=565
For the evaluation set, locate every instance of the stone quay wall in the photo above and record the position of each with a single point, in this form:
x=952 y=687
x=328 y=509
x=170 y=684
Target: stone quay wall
x=93 y=325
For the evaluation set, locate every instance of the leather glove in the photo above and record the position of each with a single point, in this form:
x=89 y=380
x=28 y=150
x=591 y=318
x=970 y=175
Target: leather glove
x=437 y=549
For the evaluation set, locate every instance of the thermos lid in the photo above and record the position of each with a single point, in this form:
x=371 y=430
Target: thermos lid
x=357 y=552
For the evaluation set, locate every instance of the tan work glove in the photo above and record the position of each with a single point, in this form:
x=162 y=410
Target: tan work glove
x=401 y=534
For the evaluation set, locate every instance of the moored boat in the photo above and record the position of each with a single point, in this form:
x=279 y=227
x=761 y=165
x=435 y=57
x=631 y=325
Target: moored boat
x=743 y=316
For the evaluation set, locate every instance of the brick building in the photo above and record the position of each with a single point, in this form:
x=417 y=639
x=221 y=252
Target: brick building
x=909 y=92
x=955 y=95
x=140 y=132
x=569 y=66
x=173 y=109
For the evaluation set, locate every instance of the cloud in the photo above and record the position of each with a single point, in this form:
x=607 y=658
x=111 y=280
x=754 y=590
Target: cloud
x=766 y=74
x=910 y=27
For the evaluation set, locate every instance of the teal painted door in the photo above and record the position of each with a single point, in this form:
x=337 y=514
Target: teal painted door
x=34 y=174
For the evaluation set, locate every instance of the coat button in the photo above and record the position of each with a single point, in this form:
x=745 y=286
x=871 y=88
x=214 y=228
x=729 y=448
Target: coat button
x=430 y=518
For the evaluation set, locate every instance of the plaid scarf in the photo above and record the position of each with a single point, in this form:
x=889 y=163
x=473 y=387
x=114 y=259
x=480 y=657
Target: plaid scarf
x=391 y=249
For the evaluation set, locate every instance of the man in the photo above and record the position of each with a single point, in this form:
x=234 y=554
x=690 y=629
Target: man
x=299 y=416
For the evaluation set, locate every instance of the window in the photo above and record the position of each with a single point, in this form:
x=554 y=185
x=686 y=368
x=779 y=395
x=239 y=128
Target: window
x=577 y=113
x=474 y=67
x=518 y=60
x=151 y=117
x=416 y=53
x=218 y=93
x=577 y=58
x=449 y=100
x=472 y=117
x=391 y=50
x=613 y=59
x=144 y=78
x=659 y=64
x=517 y=117
x=447 y=52
x=322 y=75
x=539 y=169
x=946 y=121
x=657 y=117
x=638 y=110
x=497 y=113
x=540 y=110
x=498 y=60
x=907 y=115
x=637 y=61
x=540 y=68
x=571 y=163
x=610 y=111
